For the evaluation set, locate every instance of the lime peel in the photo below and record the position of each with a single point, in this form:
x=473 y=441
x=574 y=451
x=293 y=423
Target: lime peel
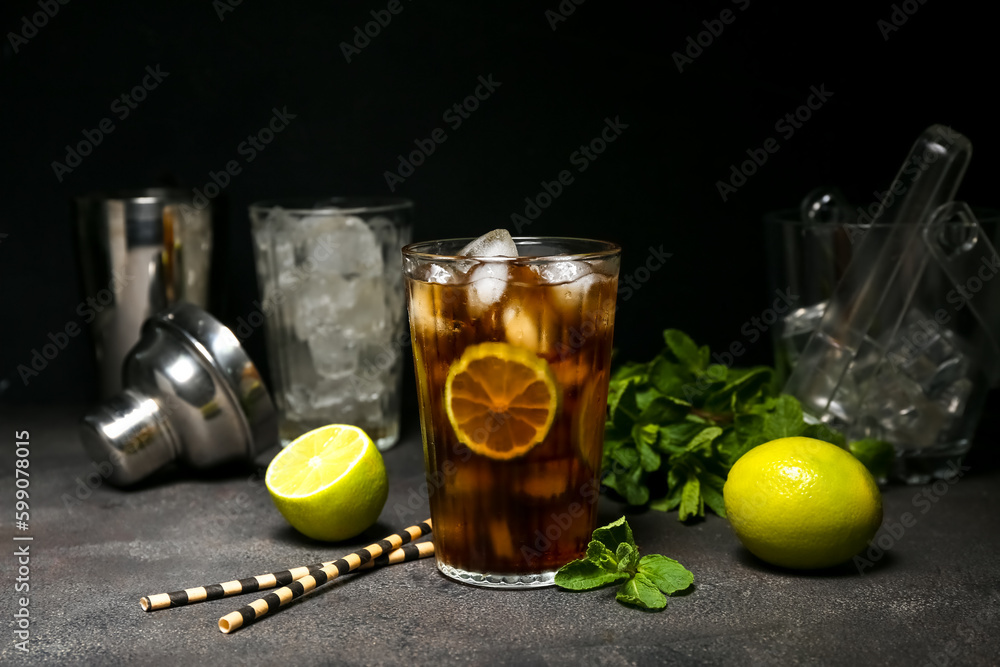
x=802 y=503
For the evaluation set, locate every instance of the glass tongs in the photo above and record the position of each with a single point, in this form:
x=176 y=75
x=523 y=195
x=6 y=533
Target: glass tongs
x=916 y=222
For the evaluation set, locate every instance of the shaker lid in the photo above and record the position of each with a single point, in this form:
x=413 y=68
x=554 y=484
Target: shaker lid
x=139 y=433
x=219 y=348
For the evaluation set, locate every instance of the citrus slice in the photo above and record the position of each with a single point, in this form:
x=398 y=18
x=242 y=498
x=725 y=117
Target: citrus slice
x=590 y=421
x=500 y=399
x=330 y=483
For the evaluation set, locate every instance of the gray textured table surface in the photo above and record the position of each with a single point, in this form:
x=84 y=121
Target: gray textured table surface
x=932 y=598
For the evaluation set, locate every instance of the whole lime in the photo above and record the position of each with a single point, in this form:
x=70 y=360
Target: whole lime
x=329 y=483
x=802 y=503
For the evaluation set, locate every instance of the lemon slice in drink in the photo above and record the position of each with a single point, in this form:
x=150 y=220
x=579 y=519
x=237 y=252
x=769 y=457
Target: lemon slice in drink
x=501 y=399
x=329 y=483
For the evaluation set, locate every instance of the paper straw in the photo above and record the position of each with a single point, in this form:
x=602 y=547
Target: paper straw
x=270 y=580
x=272 y=601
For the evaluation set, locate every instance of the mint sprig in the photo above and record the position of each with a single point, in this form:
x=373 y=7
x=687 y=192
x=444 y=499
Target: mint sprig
x=677 y=424
x=877 y=455
x=612 y=557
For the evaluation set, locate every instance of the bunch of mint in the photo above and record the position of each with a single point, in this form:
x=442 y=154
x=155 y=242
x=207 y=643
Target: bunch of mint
x=613 y=557
x=678 y=423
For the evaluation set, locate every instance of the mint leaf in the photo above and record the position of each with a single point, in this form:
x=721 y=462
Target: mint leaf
x=724 y=448
x=645 y=436
x=628 y=558
x=601 y=556
x=678 y=435
x=877 y=455
x=613 y=534
x=631 y=370
x=711 y=493
x=667 y=503
x=611 y=446
x=679 y=422
x=667 y=377
x=706 y=435
x=785 y=420
x=626 y=456
x=751 y=385
x=750 y=427
x=684 y=350
x=623 y=408
x=691 y=503
x=665 y=573
x=825 y=433
x=714 y=377
x=660 y=409
x=626 y=476
x=641 y=592
x=673 y=498
x=635 y=492
x=584 y=575
x=646 y=578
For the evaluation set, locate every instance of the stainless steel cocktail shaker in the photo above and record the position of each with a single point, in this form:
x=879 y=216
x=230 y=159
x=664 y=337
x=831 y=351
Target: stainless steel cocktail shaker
x=140 y=251
x=191 y=394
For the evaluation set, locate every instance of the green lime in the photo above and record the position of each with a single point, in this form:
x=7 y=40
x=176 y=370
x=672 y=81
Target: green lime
x=802 y=503
x=329 y=483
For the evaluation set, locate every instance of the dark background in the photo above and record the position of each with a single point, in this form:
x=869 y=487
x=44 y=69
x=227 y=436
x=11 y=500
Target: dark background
x=655 y=186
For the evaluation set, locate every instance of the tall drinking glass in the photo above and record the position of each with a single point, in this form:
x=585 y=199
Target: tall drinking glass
x=512 y=359
x=332 y=298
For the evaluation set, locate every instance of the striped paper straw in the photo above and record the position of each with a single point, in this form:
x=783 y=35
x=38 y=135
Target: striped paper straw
x=279 y=598
x=272 y=579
